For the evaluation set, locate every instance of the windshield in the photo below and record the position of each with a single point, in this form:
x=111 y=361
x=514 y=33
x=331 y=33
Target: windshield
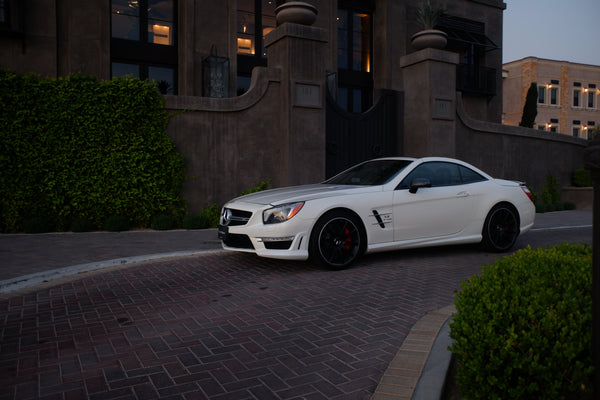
x=376 y=172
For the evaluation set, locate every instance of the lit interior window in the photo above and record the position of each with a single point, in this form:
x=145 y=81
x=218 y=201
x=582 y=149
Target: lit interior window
x=162 y=34
x=245 y=46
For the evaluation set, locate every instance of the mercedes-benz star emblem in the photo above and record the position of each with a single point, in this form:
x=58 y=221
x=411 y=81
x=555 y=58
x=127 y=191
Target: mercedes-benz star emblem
x=226 y=216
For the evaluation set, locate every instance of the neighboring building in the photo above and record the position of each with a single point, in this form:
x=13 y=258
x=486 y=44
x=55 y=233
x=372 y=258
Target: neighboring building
x=170 y=40
x=568 y=95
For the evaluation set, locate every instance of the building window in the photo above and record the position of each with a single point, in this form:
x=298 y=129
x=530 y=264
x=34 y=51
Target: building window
x=150 y=21
x=541 y=94
x=143 y=41
x=576 y=128
x=255 y=19
x=355 y=81
x=590 y=95
x=576 y=97
x=553 y=95
x=541 y=127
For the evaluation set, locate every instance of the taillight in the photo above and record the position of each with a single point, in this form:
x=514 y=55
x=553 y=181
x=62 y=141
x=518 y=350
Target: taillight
x=527 y=192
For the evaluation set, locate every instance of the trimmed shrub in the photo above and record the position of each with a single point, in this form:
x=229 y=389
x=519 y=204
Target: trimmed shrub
x=523 y=329
x=38 y=225
x=162 y=222
x=569 y=205
x=82 y=225
x=77 y=147
x=117 y=223
x=582 y=178
x=550 y=193
x=212 y=214
x=258 y=187
x=194 y=221
x=540 y=207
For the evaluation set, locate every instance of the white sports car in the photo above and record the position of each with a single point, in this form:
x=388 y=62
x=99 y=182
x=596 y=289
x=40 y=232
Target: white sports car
x=379 y=205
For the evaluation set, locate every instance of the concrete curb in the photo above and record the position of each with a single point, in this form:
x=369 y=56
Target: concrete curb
x=29 y=281
x=415 y=370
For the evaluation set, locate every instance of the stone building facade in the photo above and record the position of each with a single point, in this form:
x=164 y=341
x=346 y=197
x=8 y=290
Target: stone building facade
x=265 y=98
x=170 y=41
x=568 y=95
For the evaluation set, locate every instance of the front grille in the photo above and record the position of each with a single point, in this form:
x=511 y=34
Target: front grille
x=238 y=241
x=232 y=217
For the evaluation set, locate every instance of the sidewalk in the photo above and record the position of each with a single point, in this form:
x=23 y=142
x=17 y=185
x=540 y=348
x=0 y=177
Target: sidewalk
x=31 y=259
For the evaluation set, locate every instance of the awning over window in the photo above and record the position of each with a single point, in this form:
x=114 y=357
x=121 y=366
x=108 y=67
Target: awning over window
x=478 y=39
x=466 y=31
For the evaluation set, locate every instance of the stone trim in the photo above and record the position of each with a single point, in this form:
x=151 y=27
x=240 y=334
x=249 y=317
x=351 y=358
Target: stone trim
x=261 y=79
x=491 y=127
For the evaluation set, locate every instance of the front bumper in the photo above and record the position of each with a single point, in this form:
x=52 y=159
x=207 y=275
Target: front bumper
x=266 y=241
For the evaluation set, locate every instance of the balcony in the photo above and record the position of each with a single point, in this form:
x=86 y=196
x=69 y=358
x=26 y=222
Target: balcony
x=479 y=81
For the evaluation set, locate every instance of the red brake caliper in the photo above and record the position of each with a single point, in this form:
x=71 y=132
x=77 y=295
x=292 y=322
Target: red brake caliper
x=348 y=239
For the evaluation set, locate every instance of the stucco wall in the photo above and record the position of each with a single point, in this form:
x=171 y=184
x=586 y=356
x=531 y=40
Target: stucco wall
x=215 y=136
x=512 y=152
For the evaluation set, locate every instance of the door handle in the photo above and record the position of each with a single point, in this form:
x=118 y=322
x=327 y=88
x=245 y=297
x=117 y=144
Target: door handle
x=462 y=194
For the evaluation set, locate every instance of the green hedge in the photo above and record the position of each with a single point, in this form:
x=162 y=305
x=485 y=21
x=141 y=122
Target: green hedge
x=523 y=329
x=77 y=148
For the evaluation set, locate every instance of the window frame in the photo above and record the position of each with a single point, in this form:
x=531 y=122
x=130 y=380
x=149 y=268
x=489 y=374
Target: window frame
x=247 y=62
x=554 y=95
x=542 y=94
x=144 y=54
x=591 y=95
x=576 y=97
x=357 y=84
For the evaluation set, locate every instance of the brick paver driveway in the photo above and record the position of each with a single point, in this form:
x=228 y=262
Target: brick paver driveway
x=224 y=326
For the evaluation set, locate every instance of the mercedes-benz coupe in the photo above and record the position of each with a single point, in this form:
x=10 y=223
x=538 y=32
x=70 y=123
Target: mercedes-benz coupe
x=378 y=205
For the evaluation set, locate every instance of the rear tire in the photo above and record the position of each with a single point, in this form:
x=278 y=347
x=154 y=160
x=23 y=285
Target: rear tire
x=337 y=240
x=501 y=228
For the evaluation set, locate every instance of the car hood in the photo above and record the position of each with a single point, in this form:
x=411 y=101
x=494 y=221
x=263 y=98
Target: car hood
x=303 y=193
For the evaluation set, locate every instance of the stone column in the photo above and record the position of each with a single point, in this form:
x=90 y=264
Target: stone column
x=298 y=51
x=429 y=102
x=592 y=163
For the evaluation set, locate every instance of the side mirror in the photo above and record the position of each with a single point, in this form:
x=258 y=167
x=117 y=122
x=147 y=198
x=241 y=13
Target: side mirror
x=418 y=183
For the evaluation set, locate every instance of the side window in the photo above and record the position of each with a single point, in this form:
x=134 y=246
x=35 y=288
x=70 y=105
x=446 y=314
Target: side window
x=438 y=173
x=422 y=171
x=469 y=176
x=441 y=174
x=445 y=174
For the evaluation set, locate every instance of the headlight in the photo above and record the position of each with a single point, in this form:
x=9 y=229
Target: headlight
x=282 y=213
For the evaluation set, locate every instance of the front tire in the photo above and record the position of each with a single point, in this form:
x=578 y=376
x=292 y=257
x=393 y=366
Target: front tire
x=501 y=228
x=337 y=240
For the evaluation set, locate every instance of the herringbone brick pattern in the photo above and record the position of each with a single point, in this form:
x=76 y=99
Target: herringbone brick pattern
x=223 y=326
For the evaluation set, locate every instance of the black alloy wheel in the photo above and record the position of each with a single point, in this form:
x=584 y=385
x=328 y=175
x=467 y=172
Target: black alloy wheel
x=337 y=240
x=501 y=228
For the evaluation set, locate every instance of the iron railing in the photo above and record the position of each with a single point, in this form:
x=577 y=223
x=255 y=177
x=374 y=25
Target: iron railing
x=476 y=80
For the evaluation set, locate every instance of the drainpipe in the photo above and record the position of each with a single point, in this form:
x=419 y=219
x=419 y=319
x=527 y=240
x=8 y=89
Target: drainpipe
x=592 y=163
x=57 y=24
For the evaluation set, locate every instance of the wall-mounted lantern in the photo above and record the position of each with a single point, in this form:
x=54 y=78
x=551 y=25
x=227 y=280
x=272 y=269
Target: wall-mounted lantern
x=215 y=72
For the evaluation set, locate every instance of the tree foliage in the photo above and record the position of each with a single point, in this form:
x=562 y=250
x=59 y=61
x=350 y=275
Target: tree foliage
x=530 y=107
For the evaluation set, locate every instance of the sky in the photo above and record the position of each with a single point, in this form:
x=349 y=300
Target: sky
x=564 y=30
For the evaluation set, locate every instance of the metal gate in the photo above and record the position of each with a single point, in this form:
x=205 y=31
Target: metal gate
x=353 y=138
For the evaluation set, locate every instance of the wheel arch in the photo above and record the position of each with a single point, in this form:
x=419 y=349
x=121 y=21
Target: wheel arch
x=505 y=203
x=345 y=210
